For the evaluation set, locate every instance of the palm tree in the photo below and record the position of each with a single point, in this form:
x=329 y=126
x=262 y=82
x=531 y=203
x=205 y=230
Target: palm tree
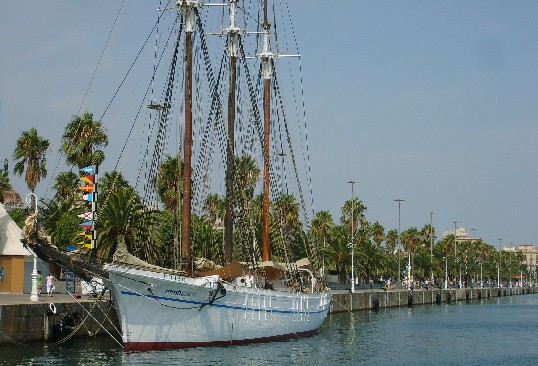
x=66 y=185
x=31 y=149
x=391 y=239
x=337 y=253
x=370 y=259
x=169 y=182
x=246 y=174
x=322 y=226
x=378 y=233
x=82 y=139
x=214 y=209
x=357 y=213
x=113 y=182
x=4 y=184
x=123 y=218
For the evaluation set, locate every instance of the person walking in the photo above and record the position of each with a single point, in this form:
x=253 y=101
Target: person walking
x=39 y=283
x=50 y=285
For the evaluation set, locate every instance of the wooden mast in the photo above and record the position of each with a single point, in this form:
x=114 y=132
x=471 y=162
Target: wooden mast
x=267 y=58
x=188 y=20
x=232 y=32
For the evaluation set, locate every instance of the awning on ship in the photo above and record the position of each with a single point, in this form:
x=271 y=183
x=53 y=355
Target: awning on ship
x=232 y=270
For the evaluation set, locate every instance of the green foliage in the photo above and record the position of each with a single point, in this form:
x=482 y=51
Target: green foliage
x=30 y=152
x=4 y=184
x=66 y=186
x=82 y=139
x=18 y=215
x=60 y=221
x=169 y=182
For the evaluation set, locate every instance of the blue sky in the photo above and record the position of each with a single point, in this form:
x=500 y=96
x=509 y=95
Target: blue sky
x=434 y=102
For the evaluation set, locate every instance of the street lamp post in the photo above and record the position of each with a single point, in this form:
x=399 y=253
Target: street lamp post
x=431 y=247
x=399 y=200
x=352 y=244
x=431 y=235
x=455 y=250
x=455 y=242
x=481 y=283
x=446 y=272
x=499 y=265
x=33 y=296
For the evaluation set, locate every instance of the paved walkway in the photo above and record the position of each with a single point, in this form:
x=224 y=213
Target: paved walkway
x=7 y=298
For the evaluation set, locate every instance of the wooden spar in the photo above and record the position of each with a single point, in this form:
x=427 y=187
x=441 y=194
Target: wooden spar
x=232 y=31
x=267 y=126
x=188 y=18
x=228 y=223
x=266 y=66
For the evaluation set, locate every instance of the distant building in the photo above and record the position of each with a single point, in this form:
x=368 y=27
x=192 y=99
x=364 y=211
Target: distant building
x=461 y=235
x=530 y=254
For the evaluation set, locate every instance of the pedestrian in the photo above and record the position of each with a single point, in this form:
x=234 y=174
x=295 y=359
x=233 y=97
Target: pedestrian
x=39 y=281
x=50 y=285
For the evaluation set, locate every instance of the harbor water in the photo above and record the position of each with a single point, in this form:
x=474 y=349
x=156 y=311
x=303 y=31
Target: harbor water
x=496 y=331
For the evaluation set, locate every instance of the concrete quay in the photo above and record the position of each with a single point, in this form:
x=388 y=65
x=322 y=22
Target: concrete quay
x=378 y=298
x=23 y=321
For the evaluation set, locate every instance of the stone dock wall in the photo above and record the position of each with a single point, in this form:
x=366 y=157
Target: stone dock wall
x=32 y=322
x=24 y=323
x=375 y=299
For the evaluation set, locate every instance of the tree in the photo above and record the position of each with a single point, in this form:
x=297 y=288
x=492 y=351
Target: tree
x=122 y=217
x=66 y=185
x=337 y=253
x=60 y=221
x=82 y=139
x=322 y=227
x=370 y=258
x=391 y=240
x=170 y=181
x=113 y=182
x=378 y=233
x=30 y=152
x=353 y=209
x=4 y=184
x=214 y=209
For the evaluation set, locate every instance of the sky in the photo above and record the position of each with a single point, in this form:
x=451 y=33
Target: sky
x=433 y=102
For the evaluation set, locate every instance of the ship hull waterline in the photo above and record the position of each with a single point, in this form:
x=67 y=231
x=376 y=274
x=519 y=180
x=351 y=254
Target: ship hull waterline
x=165 y=311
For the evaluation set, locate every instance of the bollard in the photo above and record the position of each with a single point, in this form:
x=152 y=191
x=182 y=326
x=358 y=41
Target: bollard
x=410 y=299
x=438 y=298
x=375 y=303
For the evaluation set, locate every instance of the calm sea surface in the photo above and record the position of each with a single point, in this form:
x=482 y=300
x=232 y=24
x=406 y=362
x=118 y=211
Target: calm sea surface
x=500 y=331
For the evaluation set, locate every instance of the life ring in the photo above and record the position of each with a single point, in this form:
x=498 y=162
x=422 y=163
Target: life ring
x=52 y=308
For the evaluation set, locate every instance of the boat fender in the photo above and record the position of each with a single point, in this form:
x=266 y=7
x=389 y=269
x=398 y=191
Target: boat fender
x=52 y=309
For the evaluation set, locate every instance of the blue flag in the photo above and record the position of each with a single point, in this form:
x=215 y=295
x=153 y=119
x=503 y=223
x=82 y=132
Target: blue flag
x=88 y=169
x=87 y=197
x=88 y=225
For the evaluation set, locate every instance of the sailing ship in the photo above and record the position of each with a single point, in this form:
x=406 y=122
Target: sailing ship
x=257 y=295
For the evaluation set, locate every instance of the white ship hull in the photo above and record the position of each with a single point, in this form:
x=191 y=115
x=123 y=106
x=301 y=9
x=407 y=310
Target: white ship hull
x=162 y=311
